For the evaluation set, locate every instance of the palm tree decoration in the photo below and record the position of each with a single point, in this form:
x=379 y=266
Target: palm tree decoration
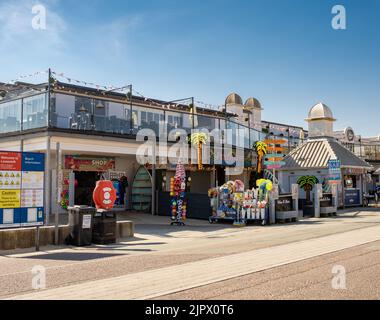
x=307 y=183
x=198 y=139
x=261 y=149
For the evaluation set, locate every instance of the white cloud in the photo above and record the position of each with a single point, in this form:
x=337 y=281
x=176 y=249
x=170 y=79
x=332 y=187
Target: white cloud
x=17 y=33
x=116 y=33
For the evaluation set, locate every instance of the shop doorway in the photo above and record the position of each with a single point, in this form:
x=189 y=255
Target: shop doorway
x=85 y=185
x=220 y=175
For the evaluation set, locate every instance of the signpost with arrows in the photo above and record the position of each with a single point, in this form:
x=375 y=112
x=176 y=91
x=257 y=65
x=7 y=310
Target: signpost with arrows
x=274 y=159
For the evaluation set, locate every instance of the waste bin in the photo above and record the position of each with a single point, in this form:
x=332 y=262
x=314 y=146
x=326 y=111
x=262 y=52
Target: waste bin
x=80 y=225
x=104 y=228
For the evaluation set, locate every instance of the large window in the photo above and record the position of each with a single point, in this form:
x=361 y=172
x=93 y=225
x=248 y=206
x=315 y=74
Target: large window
x=147 y=118
x=62 y=111
x=10 y=116
x=204 y=122
x=35 y=112
x=117 y=117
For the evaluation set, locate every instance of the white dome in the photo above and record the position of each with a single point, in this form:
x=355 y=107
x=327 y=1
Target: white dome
x=319 y=112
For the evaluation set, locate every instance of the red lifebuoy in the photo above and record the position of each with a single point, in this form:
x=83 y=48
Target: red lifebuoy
x=104 y=195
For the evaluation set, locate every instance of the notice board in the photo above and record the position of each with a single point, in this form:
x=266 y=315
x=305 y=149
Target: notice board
x=21 y=189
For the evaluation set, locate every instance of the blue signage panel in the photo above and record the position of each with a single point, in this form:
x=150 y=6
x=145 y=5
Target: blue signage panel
x=352 y=197
x=33 y=161
x=31 y=216
x=335 y=173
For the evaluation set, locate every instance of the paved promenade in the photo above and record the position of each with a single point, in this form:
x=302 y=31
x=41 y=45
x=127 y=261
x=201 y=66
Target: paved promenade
x=163 y=281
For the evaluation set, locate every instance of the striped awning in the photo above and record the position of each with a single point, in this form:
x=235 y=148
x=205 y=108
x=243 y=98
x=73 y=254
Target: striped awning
x=316 y=153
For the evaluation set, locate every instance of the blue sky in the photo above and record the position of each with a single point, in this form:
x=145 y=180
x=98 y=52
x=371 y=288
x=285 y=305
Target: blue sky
x=283 y=52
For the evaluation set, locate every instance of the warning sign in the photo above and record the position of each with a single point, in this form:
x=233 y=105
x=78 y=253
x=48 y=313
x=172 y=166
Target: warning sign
x=9 y=199
x=10 y=179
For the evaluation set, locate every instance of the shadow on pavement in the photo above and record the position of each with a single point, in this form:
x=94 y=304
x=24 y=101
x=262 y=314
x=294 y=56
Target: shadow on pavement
x=71 y=256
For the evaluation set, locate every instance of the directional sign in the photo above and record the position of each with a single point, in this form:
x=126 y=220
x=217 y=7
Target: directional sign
x=272 y=141
x=274 y=155
x=269 y=148
x=271 y=163
x=276 y=166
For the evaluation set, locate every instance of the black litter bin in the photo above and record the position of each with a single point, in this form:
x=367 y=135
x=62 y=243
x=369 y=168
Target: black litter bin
x=104 y=228
x=80 y=225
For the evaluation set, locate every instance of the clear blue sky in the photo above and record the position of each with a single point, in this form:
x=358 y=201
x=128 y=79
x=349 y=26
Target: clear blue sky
x=283 y=52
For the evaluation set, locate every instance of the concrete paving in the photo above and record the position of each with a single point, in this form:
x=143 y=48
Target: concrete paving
x=157 y=245
x=310 y=279
x=158 y=282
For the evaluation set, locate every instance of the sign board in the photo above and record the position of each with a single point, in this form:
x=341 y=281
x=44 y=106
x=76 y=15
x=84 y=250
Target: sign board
x=79 y=163
x=335 y=173
x=21 y=189
x=284 y=203
x=351 y=197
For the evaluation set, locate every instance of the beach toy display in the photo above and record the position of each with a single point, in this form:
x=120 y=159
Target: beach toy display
x=177 y=193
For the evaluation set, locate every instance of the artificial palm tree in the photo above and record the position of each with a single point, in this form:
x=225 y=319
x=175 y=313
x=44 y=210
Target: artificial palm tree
x=307 y=183
x=198 y=139
x=261 y=149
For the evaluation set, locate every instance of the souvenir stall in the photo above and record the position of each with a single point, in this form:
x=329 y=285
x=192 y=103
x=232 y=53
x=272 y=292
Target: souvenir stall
x=231 y=202
x=177 y=193
x=353 y=186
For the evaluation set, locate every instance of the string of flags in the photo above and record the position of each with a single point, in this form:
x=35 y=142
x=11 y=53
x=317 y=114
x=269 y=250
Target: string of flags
x=167 y=105
x=22 y=77
x=209 y=106
x=85 y=83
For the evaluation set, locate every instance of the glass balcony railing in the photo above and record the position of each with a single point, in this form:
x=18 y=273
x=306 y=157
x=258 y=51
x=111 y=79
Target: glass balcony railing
x=24 y=114
x=81 y=113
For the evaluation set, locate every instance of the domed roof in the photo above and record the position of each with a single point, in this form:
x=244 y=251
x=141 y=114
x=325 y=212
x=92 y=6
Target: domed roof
x=319 y=112
x=252 y=103
x=234 y=98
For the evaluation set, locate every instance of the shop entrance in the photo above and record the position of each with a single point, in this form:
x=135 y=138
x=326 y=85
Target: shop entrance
x=220 y=175
x=85 y=185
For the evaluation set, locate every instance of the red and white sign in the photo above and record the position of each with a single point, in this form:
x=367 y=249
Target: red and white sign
x=10 y=161
x=104 y=195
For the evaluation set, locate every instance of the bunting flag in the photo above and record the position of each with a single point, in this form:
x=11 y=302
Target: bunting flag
x=85 y=83
x=22 y=77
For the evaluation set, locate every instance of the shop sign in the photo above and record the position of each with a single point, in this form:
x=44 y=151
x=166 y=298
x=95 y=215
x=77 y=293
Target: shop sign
x=78 y=163
x=335 y=175
x=353 y=171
